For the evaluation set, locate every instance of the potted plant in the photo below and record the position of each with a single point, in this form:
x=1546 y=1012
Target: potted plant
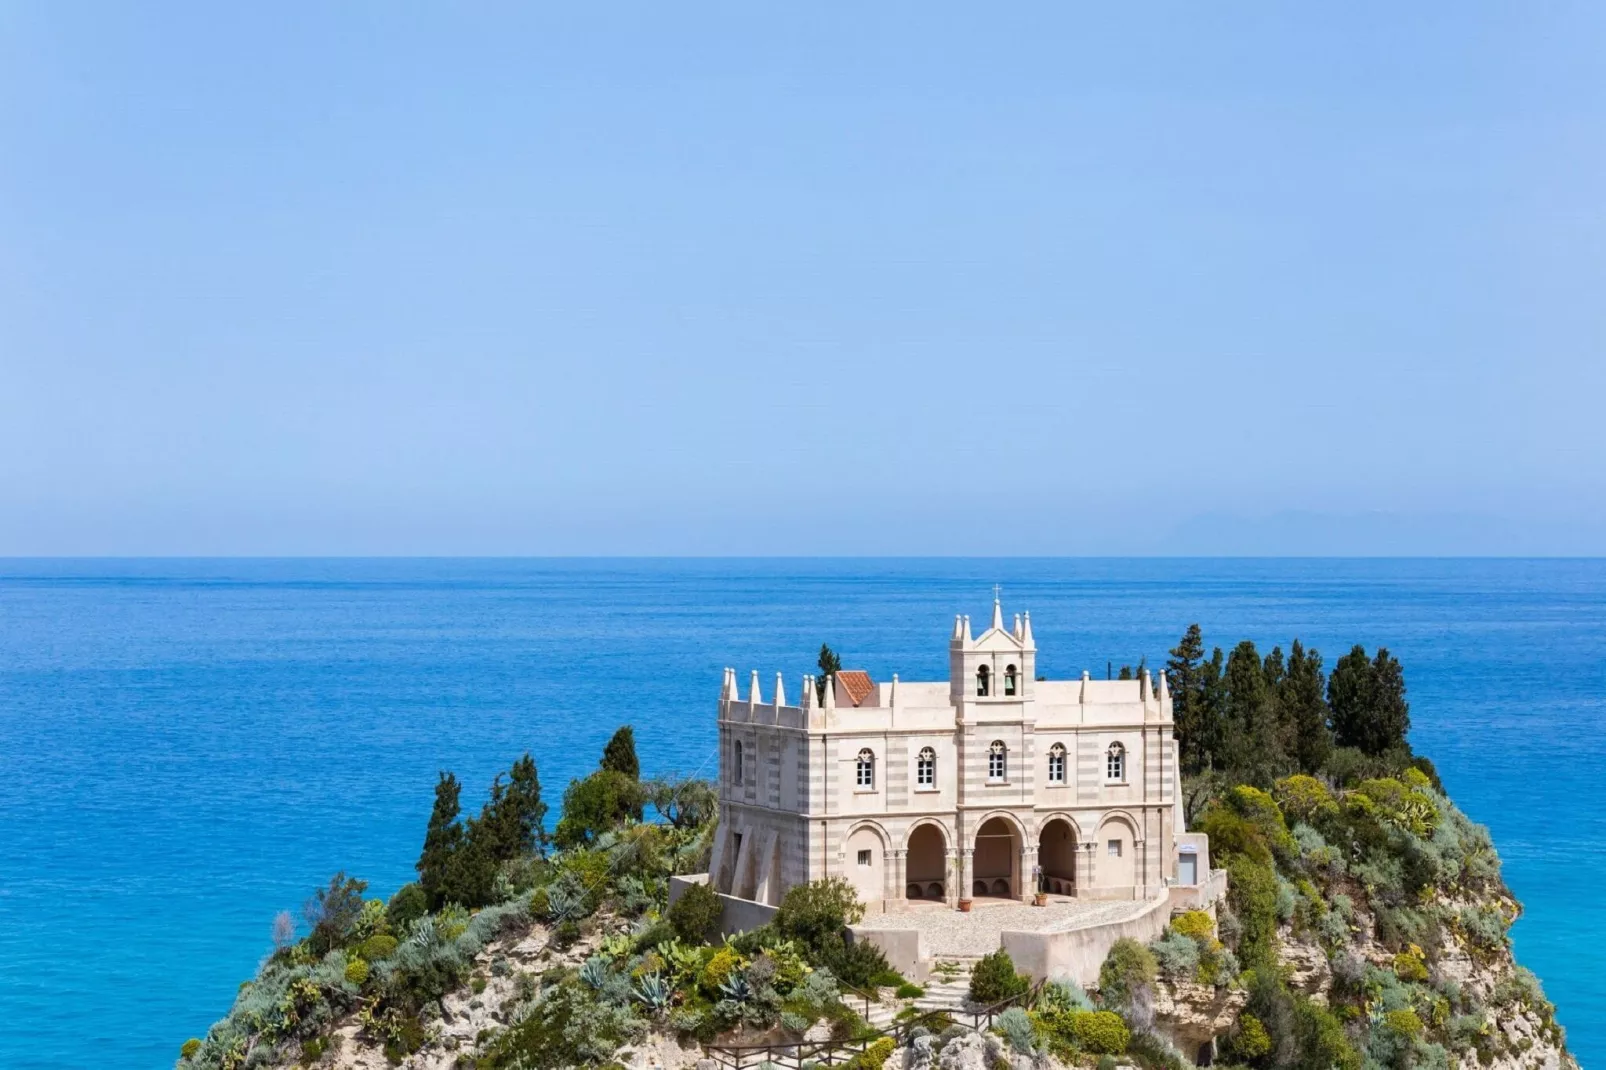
x=964 y=906
x=1040 y=899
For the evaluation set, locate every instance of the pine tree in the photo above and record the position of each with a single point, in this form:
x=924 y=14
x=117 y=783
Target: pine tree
x=512 y=822
x=620 y=753
x=830 y=665
x=441 y=840
x=1185 y=680
x=1305 y=710
x=1213 y=710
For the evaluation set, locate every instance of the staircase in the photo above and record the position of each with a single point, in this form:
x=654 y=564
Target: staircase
x=948 y=990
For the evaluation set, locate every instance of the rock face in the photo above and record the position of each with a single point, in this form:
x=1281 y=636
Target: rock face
x=1519 y=1031
x=1193 y=1015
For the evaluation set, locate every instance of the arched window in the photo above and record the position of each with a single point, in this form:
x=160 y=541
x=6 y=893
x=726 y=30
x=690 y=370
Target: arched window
x=1009 y=680
x=997 y=761
x=926 y=768
x=736 y=760
x=981 y=682
x=1056 y=764
x=866 y=770
x=1115 y=762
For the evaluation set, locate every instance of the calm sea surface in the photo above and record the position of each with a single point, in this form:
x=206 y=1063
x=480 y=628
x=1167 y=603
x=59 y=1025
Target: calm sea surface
x=188 y=747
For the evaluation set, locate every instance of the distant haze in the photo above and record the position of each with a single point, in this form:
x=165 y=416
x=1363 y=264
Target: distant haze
x=745 y=279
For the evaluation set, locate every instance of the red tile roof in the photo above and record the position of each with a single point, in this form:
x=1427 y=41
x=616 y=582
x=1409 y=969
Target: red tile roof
x=854 y=685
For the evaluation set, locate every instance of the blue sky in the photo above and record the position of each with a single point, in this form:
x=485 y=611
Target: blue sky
x=881 y=279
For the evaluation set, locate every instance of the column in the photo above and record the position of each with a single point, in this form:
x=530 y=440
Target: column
x=1028 y=866
x=967 y=872
x=899 y=875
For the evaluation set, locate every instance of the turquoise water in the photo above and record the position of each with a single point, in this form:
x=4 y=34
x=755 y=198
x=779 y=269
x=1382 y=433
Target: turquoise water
x=187 y=747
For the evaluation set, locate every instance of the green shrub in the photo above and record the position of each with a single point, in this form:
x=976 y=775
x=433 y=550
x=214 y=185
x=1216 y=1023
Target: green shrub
x=872 y=1057
x=1250 y=1041
x=602 y=801
x=1405 y=1022
x=405 y=907
x=910 y=991
x=357 y=972
x=1196 y=924
x=1409 y=965
x=377 y=948
x=191 y=1046
x=1127 y=967
x=695 y=913
x=1100 y=1032
x=1107 y=1062
x=994 y=979
x=312 y=1050
x=1016 y=1027
x=818 y=911
x=719 y=969
x=1252 y=892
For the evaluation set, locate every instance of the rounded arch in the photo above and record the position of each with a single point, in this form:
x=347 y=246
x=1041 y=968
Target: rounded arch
x=995 y=860
x=1058 y=837
x=1115 y=849
x=983 y=679
x=865 y=861
x=926 y=861
x=1011 y=679
x=865 y=824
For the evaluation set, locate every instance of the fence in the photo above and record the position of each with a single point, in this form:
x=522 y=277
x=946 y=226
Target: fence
x=810 y=1053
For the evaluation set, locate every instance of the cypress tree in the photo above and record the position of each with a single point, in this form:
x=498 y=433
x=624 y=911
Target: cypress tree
x=829 y=665
x=441 y=840
x=1185 y=680
x=1253 y=749
x=1213 y=710
x=620 y=753
x=1368 y=701
x=1304 y=709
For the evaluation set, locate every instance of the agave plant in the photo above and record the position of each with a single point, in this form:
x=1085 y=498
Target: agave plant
x=654 y=993
x=736 y=988
x=594 y=974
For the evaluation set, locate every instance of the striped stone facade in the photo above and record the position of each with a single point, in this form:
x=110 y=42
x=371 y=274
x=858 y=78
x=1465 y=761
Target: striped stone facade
x=992 y=783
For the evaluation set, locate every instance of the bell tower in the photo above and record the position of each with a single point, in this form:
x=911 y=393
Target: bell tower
x=996 y=668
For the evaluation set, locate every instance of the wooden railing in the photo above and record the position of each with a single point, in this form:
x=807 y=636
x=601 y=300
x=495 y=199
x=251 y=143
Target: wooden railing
x=835 y=1052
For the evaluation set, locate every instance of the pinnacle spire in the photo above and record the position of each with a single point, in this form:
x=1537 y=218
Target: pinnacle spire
x=780 y=690
x=752 y=695
x=1026 y=629
x=830 y=691
x=808 y=692
x=998 y=612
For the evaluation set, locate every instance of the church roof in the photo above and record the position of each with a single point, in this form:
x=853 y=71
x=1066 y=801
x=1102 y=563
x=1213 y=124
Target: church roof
x=854 y=685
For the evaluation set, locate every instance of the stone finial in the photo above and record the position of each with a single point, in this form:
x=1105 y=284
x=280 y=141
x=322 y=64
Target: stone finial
x=1026 y=628
x=1016 y=631
x=892 y=692
x=1145 y=686
x=1164 y=691
x=998 y=614
x=959 y=628
x=830 y=691
x=728 y=688
x=1082 y=695
x=752 y=694
x=965 y=633
x=780 y=690
x=808 y=692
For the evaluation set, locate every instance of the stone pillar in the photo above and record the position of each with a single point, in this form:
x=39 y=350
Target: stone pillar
x=967 y=872
x=898 y=874
x=1084 y=868
x=1028 y=867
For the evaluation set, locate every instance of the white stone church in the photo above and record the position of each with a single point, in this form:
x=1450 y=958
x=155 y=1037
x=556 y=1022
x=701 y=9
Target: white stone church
x=991 y=784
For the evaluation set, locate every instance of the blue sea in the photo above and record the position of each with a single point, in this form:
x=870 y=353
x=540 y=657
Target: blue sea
x=188 y=746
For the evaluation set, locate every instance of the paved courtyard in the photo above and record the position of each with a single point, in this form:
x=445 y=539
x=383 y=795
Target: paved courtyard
x=948 y=933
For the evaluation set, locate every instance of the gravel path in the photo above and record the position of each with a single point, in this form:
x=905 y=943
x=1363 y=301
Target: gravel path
x=952 y=933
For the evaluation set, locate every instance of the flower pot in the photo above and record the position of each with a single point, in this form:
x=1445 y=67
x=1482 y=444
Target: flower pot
x=1040 y=899
x=964 y=905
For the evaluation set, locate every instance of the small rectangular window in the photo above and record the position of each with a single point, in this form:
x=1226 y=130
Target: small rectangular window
x=864 y=858
x=1115 y=848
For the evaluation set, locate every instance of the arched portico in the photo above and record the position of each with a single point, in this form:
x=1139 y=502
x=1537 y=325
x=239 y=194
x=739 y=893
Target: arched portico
x=926 y=864
x=996 y=863
x=1056 y=855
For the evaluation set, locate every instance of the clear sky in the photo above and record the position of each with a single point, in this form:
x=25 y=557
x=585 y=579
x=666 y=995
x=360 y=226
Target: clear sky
x=872 y=278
